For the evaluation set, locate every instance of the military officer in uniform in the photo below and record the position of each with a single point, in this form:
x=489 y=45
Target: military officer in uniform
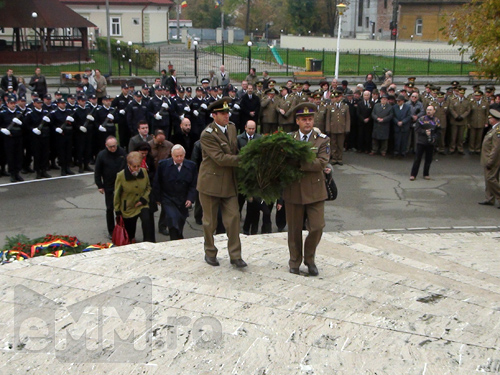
x=490 y=160
x=320 y=112
x=270 y=112
x=307 y=195
x=338 y=124
x=459 y=110
x=478 y=121
x=441 y=106
x=217 y=184
x=285 y=119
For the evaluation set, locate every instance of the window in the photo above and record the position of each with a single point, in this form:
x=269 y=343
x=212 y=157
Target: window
x=418 y=26
x=360 y=13
x=135 y=21
x=367 y=20
x=367 y=3
x=116 y=26
x=385 y=4
x=2 y=30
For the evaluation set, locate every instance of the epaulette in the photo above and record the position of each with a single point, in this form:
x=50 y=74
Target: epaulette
x=209 y=130
x=322 y=135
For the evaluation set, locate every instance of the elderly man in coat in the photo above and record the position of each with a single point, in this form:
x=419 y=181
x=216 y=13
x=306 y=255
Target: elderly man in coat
x=382 y=115
x=401 y=123
x=175 y=187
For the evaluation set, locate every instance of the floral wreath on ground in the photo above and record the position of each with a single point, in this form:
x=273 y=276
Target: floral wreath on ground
x=21 y=247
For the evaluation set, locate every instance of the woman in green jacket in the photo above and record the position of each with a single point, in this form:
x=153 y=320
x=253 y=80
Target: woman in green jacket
x=132 y=188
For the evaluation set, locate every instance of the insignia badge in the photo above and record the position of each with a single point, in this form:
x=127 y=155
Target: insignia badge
x=209 y=130
x=322 y=135
x=225 y=106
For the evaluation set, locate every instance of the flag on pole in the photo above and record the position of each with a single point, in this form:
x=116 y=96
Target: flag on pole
x=184 y=4
x=218 y=3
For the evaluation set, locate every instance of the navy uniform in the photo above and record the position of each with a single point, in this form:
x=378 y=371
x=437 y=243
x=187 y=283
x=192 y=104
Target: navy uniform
x=120 y=103
x=37 y=122
x=12 y=129
x=105 y=122
x=136 y=111
x=61 y=121
x=198 y=112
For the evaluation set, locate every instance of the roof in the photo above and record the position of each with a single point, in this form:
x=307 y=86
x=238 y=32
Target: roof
x=119 y=2
x=51 y=14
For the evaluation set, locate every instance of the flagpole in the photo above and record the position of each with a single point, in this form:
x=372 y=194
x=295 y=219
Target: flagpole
x=178 y=20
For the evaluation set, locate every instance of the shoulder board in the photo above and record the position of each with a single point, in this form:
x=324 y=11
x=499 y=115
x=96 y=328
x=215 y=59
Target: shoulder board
x=209 y=130
x=322 y=135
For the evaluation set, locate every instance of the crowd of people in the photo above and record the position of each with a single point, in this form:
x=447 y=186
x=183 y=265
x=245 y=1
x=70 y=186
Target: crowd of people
x=143 y=127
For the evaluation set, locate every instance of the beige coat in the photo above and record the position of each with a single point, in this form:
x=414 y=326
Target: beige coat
x=129 y=190
x=338 y=121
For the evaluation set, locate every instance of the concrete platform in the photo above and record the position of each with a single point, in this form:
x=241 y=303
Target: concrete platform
x=384 y=303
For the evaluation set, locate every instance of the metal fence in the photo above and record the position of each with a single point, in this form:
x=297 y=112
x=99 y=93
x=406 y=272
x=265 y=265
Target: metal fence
x=199 y=60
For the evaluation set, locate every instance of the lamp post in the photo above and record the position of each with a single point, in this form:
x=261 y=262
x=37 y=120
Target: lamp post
x=249 y=44
x=195 y=44
x=118 y=50
x=136 y=61
x=129 y=58
x=35 y=16
x=340 y=8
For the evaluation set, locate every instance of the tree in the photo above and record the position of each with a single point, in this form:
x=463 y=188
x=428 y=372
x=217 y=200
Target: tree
x=475 y=26
x=204 y=14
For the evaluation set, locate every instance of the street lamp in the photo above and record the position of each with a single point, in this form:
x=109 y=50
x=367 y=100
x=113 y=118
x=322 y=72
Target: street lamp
x=195 y=44
x=129 y=58
x=136 y=61
x=118 y=50
x=340 y=8
x=249 y=44
x=35 y=16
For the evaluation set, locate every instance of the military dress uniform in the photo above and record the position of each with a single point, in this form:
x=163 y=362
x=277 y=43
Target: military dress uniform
x=490 y=160
x=338 y=123
x=40 y=140
x=136 y=111
x=270 y=112
x=320 y=117
x=307 y=197
x=477 y=122
x=61 y=122
x=120 y=102
x=217 y=185
x=285 y=121
x=12 y=129
x=442 y=114
x=459 y=111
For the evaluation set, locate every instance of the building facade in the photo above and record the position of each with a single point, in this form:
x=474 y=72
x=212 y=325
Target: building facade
x=139 y=21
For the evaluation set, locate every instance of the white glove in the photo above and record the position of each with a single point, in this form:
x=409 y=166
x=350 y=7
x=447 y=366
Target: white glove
x=83 y=129
x=181 y=117
x=90 y=117
x=187 y=109
x=70 y=119
x=36 y=131
x=17 y=121
x=5 y=131
x=110 y=116
x=122 y=111
x=204 y=106
x=196 y=113
x=59 y=130
x=158 y=116
x=236 y=106
x=102 y=128
x=46 y=118
x=165 y=105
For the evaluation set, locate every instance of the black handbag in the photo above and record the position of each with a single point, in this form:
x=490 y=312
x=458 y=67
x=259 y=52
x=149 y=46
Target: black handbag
x=331 y=187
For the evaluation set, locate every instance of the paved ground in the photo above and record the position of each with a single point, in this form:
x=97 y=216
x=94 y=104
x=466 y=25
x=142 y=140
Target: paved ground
x=384 y=303
x=375 y=193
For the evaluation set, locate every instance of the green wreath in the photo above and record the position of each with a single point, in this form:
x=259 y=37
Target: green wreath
x=270 y=163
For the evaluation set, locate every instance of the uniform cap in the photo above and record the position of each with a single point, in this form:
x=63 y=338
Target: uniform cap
x=221 y=105
x=93 y=96
x=137 y=93
x=440 y=94
x=106 y=97
x=271 y=91
x=60 y=100
x=47 y=96
x=124 y=86
x=495 y=113
x=401 y=97
x=412 y=79
x=478 y=93
x=37 y=100
x=205 y=80
x=189 y=89
x=305 y=109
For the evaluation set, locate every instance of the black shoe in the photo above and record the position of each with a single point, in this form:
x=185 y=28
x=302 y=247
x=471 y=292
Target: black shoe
x=281 y=229
x=4 y=174
x=92 y=162
x=295 y=271
x=246 y=232
x=25 y=171
x=54 y=167
x=164 y=231
x=212 y=261
x=80 y=170
x=87 y=169
x=63 y=172
x=199 y=222
x=486 y=203
x=38 y=175
x=340 y=163
x=13 y=179
x=313 y=270
x=46 y=175
x=240 y=263
x=18 y=177
x=69 y=172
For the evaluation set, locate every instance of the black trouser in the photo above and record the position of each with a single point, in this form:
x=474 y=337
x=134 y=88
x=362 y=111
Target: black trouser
x=365 y=137
x=252 y=217
x=28 y=150
x=14 y=150
x=198 y=210
x=110 y=211
x=41 y=148
x=64 y=145
x=83 y=145
x=421 y=150
x=124 y=134
x=281 y=218
x=267 y=226
x=131 y=224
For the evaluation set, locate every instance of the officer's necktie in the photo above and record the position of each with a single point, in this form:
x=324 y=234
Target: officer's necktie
x=304 y=137
x=250 y=138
